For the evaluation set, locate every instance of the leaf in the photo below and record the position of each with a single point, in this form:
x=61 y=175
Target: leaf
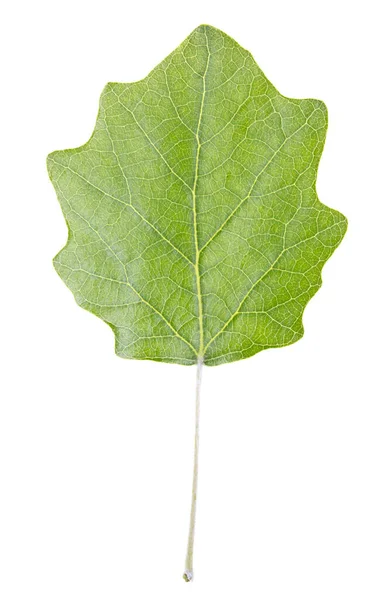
x=194 y=225
x=195 y=230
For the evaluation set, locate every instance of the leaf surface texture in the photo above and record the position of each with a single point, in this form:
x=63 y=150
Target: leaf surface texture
x=194 y=224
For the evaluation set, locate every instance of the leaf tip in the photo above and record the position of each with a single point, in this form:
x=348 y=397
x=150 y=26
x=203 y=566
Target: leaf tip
x=205 y=28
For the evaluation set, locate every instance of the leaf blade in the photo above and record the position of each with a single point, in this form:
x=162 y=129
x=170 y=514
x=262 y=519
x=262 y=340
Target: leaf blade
x=195 y=226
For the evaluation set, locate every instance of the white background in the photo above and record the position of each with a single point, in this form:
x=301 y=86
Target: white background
x=295 y=496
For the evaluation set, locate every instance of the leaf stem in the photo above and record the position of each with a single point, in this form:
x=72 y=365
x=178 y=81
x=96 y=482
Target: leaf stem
x=188 y=572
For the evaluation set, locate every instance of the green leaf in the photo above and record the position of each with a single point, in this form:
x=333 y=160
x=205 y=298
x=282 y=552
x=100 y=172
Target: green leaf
x=194 y=225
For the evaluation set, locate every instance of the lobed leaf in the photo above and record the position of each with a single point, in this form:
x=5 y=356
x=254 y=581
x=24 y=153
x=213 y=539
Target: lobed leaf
x=195 y=229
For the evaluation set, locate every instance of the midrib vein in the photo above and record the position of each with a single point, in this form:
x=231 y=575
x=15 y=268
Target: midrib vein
x=195 y=233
